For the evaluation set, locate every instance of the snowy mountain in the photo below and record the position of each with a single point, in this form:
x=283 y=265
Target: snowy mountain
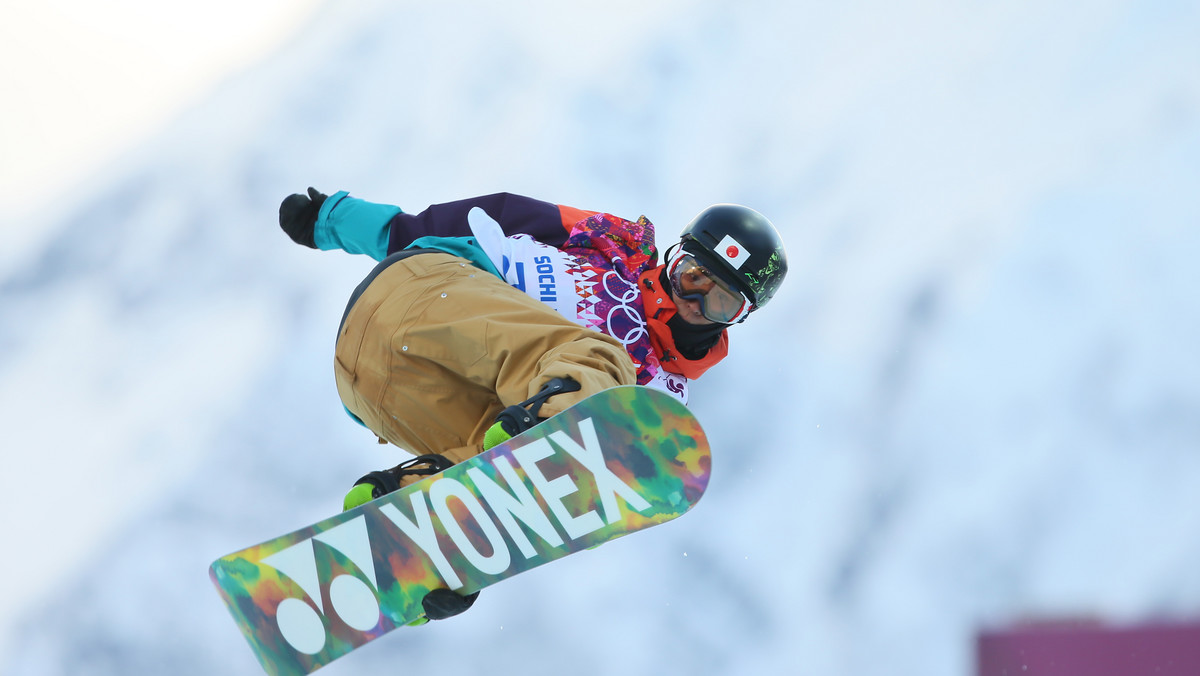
x=976 y=399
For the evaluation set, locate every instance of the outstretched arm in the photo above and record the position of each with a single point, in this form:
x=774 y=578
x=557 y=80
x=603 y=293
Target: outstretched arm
x=358 y=226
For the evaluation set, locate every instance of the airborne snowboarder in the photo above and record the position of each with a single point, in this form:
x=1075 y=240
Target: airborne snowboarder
x=488 y=314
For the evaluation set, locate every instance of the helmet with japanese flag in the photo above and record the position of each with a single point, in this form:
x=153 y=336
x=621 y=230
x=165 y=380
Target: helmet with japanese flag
x=741 y=246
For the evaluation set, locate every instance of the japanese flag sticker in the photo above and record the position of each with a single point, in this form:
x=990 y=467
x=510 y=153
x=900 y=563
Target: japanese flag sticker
x=731 y=250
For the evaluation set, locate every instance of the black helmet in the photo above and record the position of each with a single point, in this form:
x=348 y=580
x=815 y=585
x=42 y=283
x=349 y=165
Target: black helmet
x=740 y=245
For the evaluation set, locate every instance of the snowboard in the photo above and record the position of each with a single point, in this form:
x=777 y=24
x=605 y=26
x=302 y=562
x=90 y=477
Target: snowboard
x=620 y=461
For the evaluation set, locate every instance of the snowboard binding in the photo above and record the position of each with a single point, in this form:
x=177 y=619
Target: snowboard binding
x=520 y=417
x=438 y=604
x=385 y=481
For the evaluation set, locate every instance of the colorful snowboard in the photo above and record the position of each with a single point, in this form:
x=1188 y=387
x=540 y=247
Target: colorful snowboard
x=618 y=462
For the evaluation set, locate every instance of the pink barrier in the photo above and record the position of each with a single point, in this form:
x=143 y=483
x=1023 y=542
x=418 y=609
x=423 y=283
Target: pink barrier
x=1090 y=649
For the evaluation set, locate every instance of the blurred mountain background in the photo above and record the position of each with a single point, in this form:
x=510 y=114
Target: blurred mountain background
x=976 y=399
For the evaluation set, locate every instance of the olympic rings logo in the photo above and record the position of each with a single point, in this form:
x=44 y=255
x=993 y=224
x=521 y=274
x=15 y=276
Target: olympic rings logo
x=625 y=307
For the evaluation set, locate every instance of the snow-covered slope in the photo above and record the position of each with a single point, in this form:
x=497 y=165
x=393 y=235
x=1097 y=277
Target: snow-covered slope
x=977 y=398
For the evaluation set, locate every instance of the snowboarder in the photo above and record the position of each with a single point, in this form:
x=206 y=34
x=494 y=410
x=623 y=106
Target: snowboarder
x=488 y=314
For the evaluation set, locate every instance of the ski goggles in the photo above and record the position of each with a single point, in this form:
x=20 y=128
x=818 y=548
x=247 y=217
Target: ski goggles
x=719 y=301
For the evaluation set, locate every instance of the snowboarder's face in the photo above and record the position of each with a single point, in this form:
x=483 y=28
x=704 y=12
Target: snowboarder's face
x=689 y=310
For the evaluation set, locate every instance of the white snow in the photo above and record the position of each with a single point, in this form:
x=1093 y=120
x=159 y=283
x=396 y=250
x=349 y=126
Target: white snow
x=976 y=399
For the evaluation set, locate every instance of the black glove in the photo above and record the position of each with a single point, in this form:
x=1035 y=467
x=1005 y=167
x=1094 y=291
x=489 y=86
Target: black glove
x=442 y=603
x=298 y=216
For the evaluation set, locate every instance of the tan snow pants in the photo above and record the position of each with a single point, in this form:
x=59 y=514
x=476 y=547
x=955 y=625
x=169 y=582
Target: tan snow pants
x=435 y=348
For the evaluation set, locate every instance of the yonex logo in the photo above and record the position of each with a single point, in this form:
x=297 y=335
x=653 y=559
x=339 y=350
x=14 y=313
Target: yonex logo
x=356 y=601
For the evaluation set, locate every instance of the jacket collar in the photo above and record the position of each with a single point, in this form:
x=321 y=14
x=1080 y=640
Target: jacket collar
x=659 y=309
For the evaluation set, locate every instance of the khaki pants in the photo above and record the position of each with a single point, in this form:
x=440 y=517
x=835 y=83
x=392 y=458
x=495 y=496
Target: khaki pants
x=435 y=348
